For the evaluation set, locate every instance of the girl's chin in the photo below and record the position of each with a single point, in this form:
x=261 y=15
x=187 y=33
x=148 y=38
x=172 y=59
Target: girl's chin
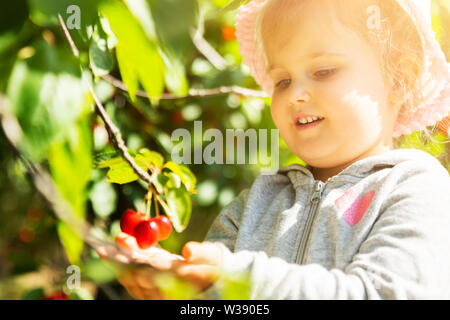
x=308 y=151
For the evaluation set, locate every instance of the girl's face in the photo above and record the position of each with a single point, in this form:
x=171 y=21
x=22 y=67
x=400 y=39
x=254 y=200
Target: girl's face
x=330 y=72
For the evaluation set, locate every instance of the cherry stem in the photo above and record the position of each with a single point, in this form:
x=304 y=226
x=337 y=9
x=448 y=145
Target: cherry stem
x=141 y=206
x=156 y=207
x=149 y=203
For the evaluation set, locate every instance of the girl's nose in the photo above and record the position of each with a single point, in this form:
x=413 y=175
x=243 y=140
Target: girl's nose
x=300 y=96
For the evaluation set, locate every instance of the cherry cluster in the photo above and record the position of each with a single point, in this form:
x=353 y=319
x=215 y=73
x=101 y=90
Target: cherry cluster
x=146 y=230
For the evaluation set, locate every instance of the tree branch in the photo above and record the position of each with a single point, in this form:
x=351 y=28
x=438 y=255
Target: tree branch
x=74 y=48
x=113 y=131
x=117 y=139
x=193 y=93
x=208 y=51
x=204 y=47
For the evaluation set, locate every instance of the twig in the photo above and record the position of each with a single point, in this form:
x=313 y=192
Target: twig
x=193 y=93
x=204 y=47
x=117 y=139
x=75 y=51
x=156 y=207
x=114 y=132
x=208 y=51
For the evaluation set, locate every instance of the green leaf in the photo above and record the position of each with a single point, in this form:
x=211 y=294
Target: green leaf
x=175 y=75
x=159 y=181
x=137 y=47
x=174 y=180
x=121 y=172
x=71 y=241
x=153 y=158
x=47 y=96
x=100 y=57
x=186 y=175
x=70 y=166
x=233 y=5
x=108 y=33
x=129 y=75
x=114 y=160
x=435 y=147
x=174 y=21
x=166 y=180
x=180 y=207
x=34 y=294
x=100 y=158
x=141 y=10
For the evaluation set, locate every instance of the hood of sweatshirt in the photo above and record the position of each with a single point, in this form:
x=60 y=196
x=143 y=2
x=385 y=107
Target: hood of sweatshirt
x=364 y=167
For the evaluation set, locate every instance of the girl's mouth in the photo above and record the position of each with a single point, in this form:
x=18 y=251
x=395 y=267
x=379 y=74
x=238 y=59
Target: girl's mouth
x=304 y=126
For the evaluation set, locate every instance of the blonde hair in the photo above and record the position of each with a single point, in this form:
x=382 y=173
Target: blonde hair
x=395 y=38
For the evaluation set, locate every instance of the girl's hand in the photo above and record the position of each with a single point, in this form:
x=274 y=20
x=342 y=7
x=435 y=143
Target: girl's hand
x=199 y=264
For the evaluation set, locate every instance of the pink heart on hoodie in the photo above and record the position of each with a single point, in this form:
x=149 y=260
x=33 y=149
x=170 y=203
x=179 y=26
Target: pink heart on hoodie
x=353 y=206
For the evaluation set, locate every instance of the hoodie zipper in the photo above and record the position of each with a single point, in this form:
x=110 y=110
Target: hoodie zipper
x=315 y=199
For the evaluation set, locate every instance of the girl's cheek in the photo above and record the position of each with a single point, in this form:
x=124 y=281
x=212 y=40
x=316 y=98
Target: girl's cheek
x=275 y=112
x=279 y=115
x=361 y=106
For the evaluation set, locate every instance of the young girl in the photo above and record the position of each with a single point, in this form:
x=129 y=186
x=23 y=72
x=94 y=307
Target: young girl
x=362 y=220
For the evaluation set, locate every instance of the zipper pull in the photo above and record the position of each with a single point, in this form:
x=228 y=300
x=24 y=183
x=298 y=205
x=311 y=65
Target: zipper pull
x=317 y=191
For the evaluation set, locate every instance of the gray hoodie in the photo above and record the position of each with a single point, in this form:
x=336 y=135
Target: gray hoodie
x=380 y=229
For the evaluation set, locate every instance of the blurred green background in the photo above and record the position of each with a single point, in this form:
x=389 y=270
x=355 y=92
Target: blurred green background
x=149 y=45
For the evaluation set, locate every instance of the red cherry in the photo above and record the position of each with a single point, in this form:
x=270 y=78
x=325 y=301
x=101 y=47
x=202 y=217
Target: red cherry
x=164 y=225
x=146 y=233
x=130 y=220
x=57 y=296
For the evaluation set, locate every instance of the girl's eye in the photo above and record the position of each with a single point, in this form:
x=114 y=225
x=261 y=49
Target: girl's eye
x=324 y=73
x=283 y=83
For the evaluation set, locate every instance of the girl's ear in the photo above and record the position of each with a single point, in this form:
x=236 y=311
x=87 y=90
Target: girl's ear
x=397 y=94
x=404 y=80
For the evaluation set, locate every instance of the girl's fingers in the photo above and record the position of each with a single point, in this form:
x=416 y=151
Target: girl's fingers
x=154 y=256
x=197 y=271
x=202 y=253
x=112 y=253
x=122 y=258
x=106 y=251
x=157 y=258
x=102 y=252
x=201 y=275
x=125 y=241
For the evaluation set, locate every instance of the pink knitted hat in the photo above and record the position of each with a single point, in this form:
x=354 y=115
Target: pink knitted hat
x=434 y=81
